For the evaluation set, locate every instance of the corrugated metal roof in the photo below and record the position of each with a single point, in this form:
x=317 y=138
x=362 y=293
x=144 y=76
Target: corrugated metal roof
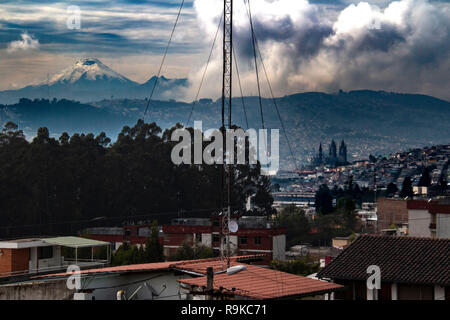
x=74 y=242
x=263 y=283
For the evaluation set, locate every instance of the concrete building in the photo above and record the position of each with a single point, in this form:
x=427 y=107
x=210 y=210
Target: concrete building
x=429 y=219
x=24 y=257
x=391 y=212
x=256 y=235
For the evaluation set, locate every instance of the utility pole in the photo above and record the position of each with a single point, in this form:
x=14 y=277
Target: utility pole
x=375 y=194
x=209 y=282
x=226 y=106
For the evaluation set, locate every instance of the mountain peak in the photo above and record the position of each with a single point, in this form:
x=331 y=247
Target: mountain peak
x=90 y=69
x=89 y=61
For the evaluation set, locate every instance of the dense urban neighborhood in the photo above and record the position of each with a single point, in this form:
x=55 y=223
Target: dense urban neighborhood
x=329 y=224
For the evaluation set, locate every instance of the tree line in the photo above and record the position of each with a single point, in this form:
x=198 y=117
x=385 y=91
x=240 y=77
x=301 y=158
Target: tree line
x=57 y=186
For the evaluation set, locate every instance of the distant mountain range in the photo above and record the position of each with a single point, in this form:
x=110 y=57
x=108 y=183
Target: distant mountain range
x=370 y=122
x=90 y=80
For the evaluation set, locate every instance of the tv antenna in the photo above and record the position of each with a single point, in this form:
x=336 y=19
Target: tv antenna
x=226 y=106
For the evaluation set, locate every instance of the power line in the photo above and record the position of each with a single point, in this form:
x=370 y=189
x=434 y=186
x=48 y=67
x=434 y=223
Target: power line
x=204 y=72
x=240 y=87
x=113 y=218
x=255 y=39
x=256 y=66
x=164 y=58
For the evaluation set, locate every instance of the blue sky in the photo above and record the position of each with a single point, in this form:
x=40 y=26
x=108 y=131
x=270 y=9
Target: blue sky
x=316 y=45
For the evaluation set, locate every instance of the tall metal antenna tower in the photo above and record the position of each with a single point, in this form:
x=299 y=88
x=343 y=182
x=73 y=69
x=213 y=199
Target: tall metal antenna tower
x=226 y=106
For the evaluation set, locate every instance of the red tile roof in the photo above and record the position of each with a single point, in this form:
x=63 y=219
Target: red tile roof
x=197 y=266
x=254 y=282
x=263 y=283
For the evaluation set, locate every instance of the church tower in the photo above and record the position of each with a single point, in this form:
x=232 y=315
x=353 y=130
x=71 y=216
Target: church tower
x=320 y=156
x=342 y=153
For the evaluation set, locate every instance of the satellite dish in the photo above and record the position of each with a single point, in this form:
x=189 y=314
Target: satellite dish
x=233 y=226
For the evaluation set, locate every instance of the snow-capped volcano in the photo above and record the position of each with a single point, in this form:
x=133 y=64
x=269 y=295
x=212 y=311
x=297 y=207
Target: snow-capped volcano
x=90 y=80
x=87 y=69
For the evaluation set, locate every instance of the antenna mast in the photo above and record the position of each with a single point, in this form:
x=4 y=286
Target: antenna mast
x=226 y=106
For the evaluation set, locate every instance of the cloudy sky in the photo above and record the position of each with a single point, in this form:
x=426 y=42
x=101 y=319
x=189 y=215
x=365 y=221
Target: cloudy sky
x=315 y=45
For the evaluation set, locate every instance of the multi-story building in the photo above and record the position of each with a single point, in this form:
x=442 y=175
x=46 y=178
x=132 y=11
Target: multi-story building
x=24 y=257
x=391 y=212
x=255 y=235
x=132 y=234
x=429 y=218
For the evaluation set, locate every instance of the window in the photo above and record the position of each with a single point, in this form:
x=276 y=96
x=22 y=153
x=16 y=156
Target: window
x=215 y=238
x=45 y=252
x=243 y=240
x=198 y=237
x=258 y=240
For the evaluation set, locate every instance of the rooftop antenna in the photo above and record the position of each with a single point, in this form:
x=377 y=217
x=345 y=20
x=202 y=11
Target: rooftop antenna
x=226 y=105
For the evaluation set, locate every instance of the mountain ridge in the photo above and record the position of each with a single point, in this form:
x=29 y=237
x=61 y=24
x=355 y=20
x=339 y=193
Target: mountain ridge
x=371 y=122
x=88 y=79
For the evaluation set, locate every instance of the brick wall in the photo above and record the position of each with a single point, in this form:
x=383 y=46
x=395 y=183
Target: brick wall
x=391 y=211
x=13 y=260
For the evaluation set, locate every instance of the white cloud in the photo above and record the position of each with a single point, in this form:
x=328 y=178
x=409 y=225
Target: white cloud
x=397 y=46
x=27 y=43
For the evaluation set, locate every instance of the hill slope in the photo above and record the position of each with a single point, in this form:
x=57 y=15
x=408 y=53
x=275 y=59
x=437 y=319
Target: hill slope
x=370 y=122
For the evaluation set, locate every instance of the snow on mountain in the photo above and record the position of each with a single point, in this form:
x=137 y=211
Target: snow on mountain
x=87 y=69
x=90 y=80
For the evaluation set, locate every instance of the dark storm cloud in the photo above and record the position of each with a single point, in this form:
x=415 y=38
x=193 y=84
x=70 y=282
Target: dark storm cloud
x=395 y=46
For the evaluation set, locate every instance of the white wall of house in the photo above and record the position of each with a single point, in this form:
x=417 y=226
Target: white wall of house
x=419 y=223
x=234 y=242
x=207 y=239
x=372 y=294
x=161 y=286
x=394 y=291
x=443 y=225
x=279 y=247
x=41 y=265
x=53 y=262
x=439 y=293
x=33 y=265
